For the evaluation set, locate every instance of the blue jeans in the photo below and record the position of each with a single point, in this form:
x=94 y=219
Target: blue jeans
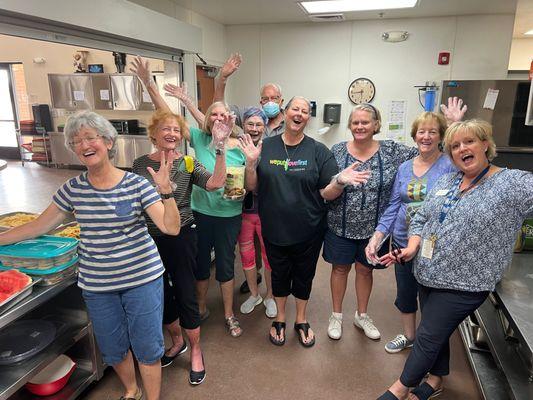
x=128 y=318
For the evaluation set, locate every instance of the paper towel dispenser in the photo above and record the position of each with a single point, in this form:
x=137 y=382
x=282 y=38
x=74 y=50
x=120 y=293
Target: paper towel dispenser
x=332 y=113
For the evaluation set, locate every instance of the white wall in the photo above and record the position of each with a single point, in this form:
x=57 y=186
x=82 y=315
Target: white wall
x=319 y=60
x=521 y=54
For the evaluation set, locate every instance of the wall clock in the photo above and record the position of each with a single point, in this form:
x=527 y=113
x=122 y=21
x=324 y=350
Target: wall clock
x=361 y=90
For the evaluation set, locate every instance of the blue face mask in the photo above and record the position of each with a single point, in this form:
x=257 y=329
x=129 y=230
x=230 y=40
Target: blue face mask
x=271 y=109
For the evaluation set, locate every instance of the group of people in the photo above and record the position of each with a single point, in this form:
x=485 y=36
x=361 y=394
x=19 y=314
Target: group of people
x=147 y=236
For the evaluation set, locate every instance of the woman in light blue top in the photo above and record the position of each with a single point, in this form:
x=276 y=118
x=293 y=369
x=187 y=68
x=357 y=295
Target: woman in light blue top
x=120 y=269
x=413 y=181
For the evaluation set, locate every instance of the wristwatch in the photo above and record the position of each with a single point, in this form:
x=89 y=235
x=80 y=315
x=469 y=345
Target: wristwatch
x=166 y=196
x=219 y=152
x=335 y=178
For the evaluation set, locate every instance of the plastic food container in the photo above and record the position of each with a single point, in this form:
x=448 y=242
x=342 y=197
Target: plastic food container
x=234 y=188
x=50 y=276
x=53 y=377
x=41 y=253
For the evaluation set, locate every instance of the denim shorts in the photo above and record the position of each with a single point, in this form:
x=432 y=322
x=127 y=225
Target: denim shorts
x=128 y=318
x=339 y=250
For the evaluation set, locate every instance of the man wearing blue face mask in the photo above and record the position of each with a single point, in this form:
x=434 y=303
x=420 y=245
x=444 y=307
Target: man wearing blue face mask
x=271 y=99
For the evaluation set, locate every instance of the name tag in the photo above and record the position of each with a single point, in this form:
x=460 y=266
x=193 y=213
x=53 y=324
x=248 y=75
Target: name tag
x=427 y=248
x=442 y=192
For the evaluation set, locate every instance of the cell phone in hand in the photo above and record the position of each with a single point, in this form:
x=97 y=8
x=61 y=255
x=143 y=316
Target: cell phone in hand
x=395 y=247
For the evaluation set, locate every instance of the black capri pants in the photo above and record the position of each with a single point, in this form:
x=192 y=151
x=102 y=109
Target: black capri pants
x=294 y=266
x=442 y=312
x=178 y=254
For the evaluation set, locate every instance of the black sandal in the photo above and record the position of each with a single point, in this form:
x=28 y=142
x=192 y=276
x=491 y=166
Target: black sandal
x=425 y=391
x=304 y=327
x=278 y=326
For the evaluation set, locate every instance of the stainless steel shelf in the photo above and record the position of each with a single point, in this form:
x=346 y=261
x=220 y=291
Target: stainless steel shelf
x=490 y=380
x=40 y=295
x=505 y=354
x=12 y=378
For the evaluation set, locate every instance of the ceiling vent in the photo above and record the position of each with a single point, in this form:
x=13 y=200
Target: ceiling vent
x=326 y=17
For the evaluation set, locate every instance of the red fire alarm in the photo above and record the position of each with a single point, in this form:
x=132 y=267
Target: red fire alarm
x=444 y=58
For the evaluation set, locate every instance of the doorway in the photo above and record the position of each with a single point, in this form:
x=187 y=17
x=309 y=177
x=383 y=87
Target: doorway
x=205 y=86
x=8 y=113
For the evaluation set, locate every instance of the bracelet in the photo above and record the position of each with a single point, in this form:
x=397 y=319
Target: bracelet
x=166 y=196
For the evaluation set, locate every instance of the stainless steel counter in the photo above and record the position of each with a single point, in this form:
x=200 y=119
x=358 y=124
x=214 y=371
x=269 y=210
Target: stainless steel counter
x=129 y=147
x=506 y=320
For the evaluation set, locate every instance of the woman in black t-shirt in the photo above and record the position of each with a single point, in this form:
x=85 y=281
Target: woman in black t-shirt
x=293 y=177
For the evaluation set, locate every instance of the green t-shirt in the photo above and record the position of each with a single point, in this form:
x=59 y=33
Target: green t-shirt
x=212 y=203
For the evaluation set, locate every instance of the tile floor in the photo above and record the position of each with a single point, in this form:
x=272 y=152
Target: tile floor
x=250 y=367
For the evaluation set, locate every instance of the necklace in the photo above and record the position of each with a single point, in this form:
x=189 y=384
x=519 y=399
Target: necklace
x=287 y=153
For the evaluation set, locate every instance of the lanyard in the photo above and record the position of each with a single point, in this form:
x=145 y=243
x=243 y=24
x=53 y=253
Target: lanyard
x=452 y=197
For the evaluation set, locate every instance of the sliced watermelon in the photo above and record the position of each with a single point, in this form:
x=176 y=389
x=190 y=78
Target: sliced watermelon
x=12 y=282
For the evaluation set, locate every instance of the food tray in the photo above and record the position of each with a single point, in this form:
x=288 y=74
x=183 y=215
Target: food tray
x=16 y=297
x=57 y=231
x=24 y=339
x=41 y=253
x=12 y=214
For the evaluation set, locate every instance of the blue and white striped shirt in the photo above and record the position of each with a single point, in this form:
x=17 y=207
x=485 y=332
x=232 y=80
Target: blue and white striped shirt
x=116 y=252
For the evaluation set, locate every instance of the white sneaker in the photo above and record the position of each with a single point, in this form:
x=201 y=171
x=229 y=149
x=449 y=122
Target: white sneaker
x=365 y=323
x=270 y=307
x=335 y=326
x=248 y=306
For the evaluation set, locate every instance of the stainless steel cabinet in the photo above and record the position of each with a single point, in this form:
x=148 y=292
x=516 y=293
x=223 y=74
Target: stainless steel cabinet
x=98 y=92
x=72 y=92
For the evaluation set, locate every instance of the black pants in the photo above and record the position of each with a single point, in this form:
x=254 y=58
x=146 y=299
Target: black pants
x=294 y=266
x=178 y=254
x=442 y=312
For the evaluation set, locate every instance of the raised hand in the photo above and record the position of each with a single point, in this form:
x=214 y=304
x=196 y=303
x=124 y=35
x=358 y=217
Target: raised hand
x=249 y=149
x=455 y=111
x=222 y=129
x=231 y=65
x=349 y=176
x=141 y=68
x=179 y=92
x=162 y=176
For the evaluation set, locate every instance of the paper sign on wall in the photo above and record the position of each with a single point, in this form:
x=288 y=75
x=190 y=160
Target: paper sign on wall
x=490 y=99
x=104 y=94
x=79 y=95
x=396 y=120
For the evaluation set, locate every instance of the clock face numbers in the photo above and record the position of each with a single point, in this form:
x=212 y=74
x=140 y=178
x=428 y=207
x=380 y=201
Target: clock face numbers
x=361 y=90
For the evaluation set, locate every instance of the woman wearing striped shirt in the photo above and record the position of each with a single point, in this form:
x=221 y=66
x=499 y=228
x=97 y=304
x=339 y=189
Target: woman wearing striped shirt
x=119 y=269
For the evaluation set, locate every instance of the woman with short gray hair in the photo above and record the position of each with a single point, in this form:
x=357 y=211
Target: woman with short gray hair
x=119 y=267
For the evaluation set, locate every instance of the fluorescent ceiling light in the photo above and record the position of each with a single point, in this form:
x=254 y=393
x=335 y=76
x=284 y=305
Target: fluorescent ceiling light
x=316 y=7
x=530 y=32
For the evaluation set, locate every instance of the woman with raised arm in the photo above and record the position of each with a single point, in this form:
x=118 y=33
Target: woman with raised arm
x=119 y=267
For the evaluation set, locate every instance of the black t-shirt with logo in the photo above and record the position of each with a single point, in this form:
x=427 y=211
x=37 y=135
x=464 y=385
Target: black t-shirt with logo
x=289 y=179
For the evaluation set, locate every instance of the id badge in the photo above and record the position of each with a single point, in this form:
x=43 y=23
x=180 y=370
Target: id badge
x=442 y=192
x=427 y=248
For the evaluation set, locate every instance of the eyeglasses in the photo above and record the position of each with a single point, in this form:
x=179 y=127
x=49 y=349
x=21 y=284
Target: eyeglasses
x=168 y=129
x=255 y=125
x=89 y=139
x=271 y=98
x=432 y=132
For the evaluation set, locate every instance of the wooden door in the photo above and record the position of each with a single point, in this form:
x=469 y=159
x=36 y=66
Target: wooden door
x=205 y=86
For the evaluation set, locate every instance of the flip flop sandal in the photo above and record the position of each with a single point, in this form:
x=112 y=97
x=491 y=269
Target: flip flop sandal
x=278 y=326
x=304 y=327
x=388 y=395
x=425 y=392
